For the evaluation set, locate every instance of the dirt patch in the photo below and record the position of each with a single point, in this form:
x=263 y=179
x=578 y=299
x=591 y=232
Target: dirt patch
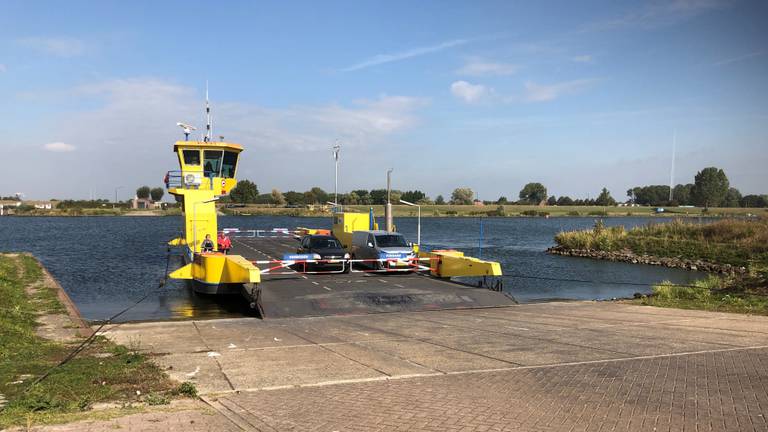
x=60 y=327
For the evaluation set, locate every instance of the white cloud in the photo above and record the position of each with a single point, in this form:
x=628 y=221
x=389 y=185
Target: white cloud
x=657 y=14
x=145 y=106
x=59 y=147
x=468 y=92
x=402 y=55
x=126 y=134
x=739 y=58
x=57 y=46
x=308 y=128
x=582 y=59
x=542 y=93
x=486 y=68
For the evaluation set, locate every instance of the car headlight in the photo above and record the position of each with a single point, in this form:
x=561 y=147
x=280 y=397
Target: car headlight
x=316 y=256
x=346 y=256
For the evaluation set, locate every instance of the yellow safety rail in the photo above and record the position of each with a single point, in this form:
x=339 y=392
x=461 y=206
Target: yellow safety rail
x=449 y=263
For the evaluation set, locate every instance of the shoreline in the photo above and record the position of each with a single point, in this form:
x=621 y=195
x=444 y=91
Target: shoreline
x=629 y=257
x=423 y=216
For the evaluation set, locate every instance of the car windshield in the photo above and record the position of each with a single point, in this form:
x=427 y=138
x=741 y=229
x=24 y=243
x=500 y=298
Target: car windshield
x=391 y=240
x=324 y=243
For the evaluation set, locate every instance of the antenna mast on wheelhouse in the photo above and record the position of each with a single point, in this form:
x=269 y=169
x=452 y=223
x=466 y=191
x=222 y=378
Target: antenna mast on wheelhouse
x=208 y=125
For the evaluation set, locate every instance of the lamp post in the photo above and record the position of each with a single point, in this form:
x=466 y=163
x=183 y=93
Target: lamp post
x=418 y=224
x=194 y=221
x=388 y=207
x=336 y=149
x=116 y=189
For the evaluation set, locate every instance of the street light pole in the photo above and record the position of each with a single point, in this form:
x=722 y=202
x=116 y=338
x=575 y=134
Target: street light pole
x=388 y=208
x=336 y=149
x=418 y=224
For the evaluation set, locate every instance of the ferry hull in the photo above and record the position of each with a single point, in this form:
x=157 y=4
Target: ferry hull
x=205 y=287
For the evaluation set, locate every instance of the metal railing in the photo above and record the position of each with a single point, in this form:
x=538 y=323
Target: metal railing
x=257 y=233
x=189 y=179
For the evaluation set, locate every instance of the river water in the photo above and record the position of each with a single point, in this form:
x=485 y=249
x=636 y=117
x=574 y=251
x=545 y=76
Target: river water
x=107 y=263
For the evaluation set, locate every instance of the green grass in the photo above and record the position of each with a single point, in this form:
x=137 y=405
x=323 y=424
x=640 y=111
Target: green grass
x=99 y=211
x=713 y=294
x=728 y=241
x=103 y=372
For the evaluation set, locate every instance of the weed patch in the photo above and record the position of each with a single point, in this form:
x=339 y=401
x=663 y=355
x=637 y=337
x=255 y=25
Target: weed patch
x=74 y=387
x=713 y=293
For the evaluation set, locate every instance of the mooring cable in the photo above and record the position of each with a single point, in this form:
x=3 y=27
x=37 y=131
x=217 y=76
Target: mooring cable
x=90 y=339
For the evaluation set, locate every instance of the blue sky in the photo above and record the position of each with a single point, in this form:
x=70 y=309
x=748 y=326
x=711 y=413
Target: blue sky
x=488 y=95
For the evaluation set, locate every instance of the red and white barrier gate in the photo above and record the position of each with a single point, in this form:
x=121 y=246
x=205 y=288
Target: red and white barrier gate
x=402 y=265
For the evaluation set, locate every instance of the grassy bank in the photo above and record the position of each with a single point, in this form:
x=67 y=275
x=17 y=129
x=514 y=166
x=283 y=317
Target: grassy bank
x=728 y=241
x=447 y=210
x=101 y=211
x=102 y=372
x=713 y=294
x=450 y=210
x=742 y=243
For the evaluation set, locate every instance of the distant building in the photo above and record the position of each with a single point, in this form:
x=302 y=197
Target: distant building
x=142 y=203
x=8 y=204
x=478 y=203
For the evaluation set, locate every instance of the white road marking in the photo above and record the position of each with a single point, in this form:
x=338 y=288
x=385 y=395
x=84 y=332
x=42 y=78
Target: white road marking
x=475 y=371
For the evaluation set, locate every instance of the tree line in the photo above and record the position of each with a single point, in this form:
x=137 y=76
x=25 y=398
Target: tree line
x=709 y=189
x=247 y=192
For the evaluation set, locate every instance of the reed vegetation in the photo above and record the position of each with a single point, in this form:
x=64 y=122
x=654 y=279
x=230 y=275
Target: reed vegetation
x=739 y=242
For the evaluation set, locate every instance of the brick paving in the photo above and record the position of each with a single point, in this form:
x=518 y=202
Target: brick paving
x=579 y=366
x=712 y=391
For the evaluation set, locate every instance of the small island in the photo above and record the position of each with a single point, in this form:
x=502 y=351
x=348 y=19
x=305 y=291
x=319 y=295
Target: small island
x=733 y=251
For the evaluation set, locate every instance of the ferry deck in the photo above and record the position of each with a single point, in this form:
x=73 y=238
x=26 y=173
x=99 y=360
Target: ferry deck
x=292 y=291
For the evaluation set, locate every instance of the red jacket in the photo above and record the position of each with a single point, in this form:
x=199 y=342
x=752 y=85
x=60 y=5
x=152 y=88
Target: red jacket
x=224 y=242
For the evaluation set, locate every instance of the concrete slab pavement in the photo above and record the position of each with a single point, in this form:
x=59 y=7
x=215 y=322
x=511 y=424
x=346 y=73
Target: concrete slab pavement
x=553 y=366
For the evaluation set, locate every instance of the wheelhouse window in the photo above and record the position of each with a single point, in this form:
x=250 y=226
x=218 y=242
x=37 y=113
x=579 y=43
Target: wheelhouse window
x=229 y=164
x=191 y=157
x=212 y=163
